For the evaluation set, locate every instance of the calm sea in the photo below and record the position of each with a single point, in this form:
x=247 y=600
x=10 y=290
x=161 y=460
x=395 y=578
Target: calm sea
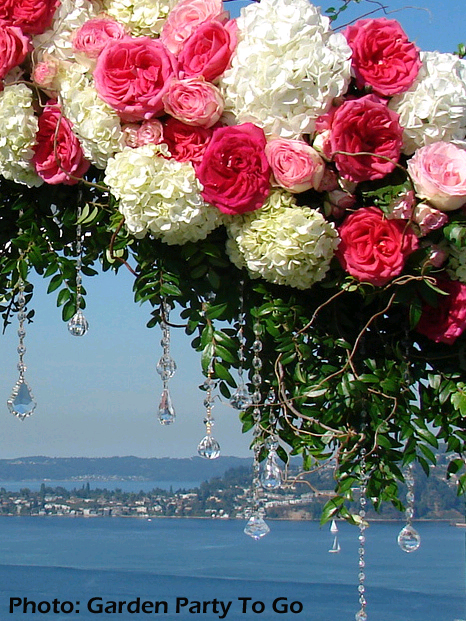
x=190 y=562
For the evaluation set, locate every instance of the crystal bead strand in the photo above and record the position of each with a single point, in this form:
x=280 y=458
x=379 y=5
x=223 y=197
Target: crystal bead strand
x=361 y=615
x=21 y=402
x=166 y=368
x=409 y=539
x=256 y=526
x=208 y=447
x=272 y=475
x=78 y=324
x=241 y=399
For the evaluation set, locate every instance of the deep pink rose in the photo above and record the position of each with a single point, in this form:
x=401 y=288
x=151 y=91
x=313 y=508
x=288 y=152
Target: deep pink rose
x=14 y=46
x=295 y=165
x=94 y=35
x=186 y=143
x=438 y=172
x=32 y=16
x=372 y=248
x=132 y=75
x=208 y=51
x=234 y=170
x=383 y=57
x=365 y=125
x=446 y=322
x=194 y=101
x=58 y=157
x=185 y=17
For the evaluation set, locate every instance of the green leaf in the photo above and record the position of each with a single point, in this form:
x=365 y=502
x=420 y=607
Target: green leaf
x=206 y=357
x=223 y=373
x=214 y=312
x=63 y=296
x=331 y=508
x=56 y=281
x=168 y=288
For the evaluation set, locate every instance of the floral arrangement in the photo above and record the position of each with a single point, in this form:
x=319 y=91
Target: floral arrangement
x=317 y=176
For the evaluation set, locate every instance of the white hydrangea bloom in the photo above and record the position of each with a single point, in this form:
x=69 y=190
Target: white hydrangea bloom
x=283 y=243
x=287 y=69
x=160 y=196
x=68 y=18
x=141 y=17
x=18 y=129
x=94 y=122
x=457 y=263
x=434 y=108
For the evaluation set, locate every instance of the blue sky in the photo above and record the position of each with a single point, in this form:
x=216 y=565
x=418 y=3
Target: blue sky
x=98 y=395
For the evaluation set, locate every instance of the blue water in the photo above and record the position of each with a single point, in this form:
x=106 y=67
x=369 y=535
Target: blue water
x=162 y=560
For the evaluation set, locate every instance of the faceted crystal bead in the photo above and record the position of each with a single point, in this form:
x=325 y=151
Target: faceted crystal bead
x=256 y=527
x=166 y=409
x=361 y=615
x=240 y=399
x=166 y=367
x=208 y=447
x=21 y=403
x=409 y=539
x=78 y=325
x=271 y=477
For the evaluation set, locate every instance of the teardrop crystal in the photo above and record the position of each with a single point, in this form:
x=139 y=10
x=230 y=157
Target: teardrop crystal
x=78 y=325
x=240 y=399
x=361 y=615
x=208 y=448
x=256 y=527
x=21 y=402
x=271 y=477
x=409 y=539
x=166 y=410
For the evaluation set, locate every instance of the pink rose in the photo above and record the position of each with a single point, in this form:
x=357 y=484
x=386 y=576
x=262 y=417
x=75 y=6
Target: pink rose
x=438 y=172
x=132 y=75
x=186 y=143
x=45 y=72
x=341 y=199
x=383 y=57
x=329 y=181
x=150 y=132
x=234 y=170
x=372 y=248
x=447 y=321
x=94 y=35
x=58 y=157
x=428 y=219
x=365 y=125
x=402 y=206
x=295 y=165
x=185 y=17
x=32 y=16
x=130 y=134
x=208 y=51
x=14 y=46
x=194 y=101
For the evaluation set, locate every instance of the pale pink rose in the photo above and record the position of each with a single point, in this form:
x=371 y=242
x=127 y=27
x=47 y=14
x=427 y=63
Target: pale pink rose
x=132 y=75
x=428 y=219
x=402 y=207
x=437 y=256
x=194 y=102
x=341 y=199
x=329 y=181
x=150 y=132
x=45 y=72
x=208 y=51
x=130 y=134
x=94 y=35
x=438 y=172
x=14 y=46
x=296 y=166
x=185 y=17
x=383 y=57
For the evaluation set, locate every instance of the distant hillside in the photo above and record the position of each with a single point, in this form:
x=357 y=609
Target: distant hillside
x=144 y=469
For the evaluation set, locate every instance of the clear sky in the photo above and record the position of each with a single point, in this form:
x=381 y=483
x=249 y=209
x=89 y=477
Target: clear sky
x=98 y=395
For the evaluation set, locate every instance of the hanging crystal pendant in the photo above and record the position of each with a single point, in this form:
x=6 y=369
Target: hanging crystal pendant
x=78 y=325
x=208 y=448
x=409 y=539
x=361 y=615
x=240 y=399
x=166 y=410
x=272 y=476
x=256 y=526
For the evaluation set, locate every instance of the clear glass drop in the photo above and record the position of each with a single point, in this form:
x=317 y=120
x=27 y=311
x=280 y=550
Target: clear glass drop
x=78 y=325
x=272 y=476
x=409 y=539
x=240 y=399
x=21 y=402
x=256 y=527
x=361 y=615
x=208 y=448
x=166 y=409
x=166 y=367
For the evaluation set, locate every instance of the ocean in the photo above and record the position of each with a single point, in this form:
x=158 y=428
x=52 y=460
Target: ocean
x=179 y=569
